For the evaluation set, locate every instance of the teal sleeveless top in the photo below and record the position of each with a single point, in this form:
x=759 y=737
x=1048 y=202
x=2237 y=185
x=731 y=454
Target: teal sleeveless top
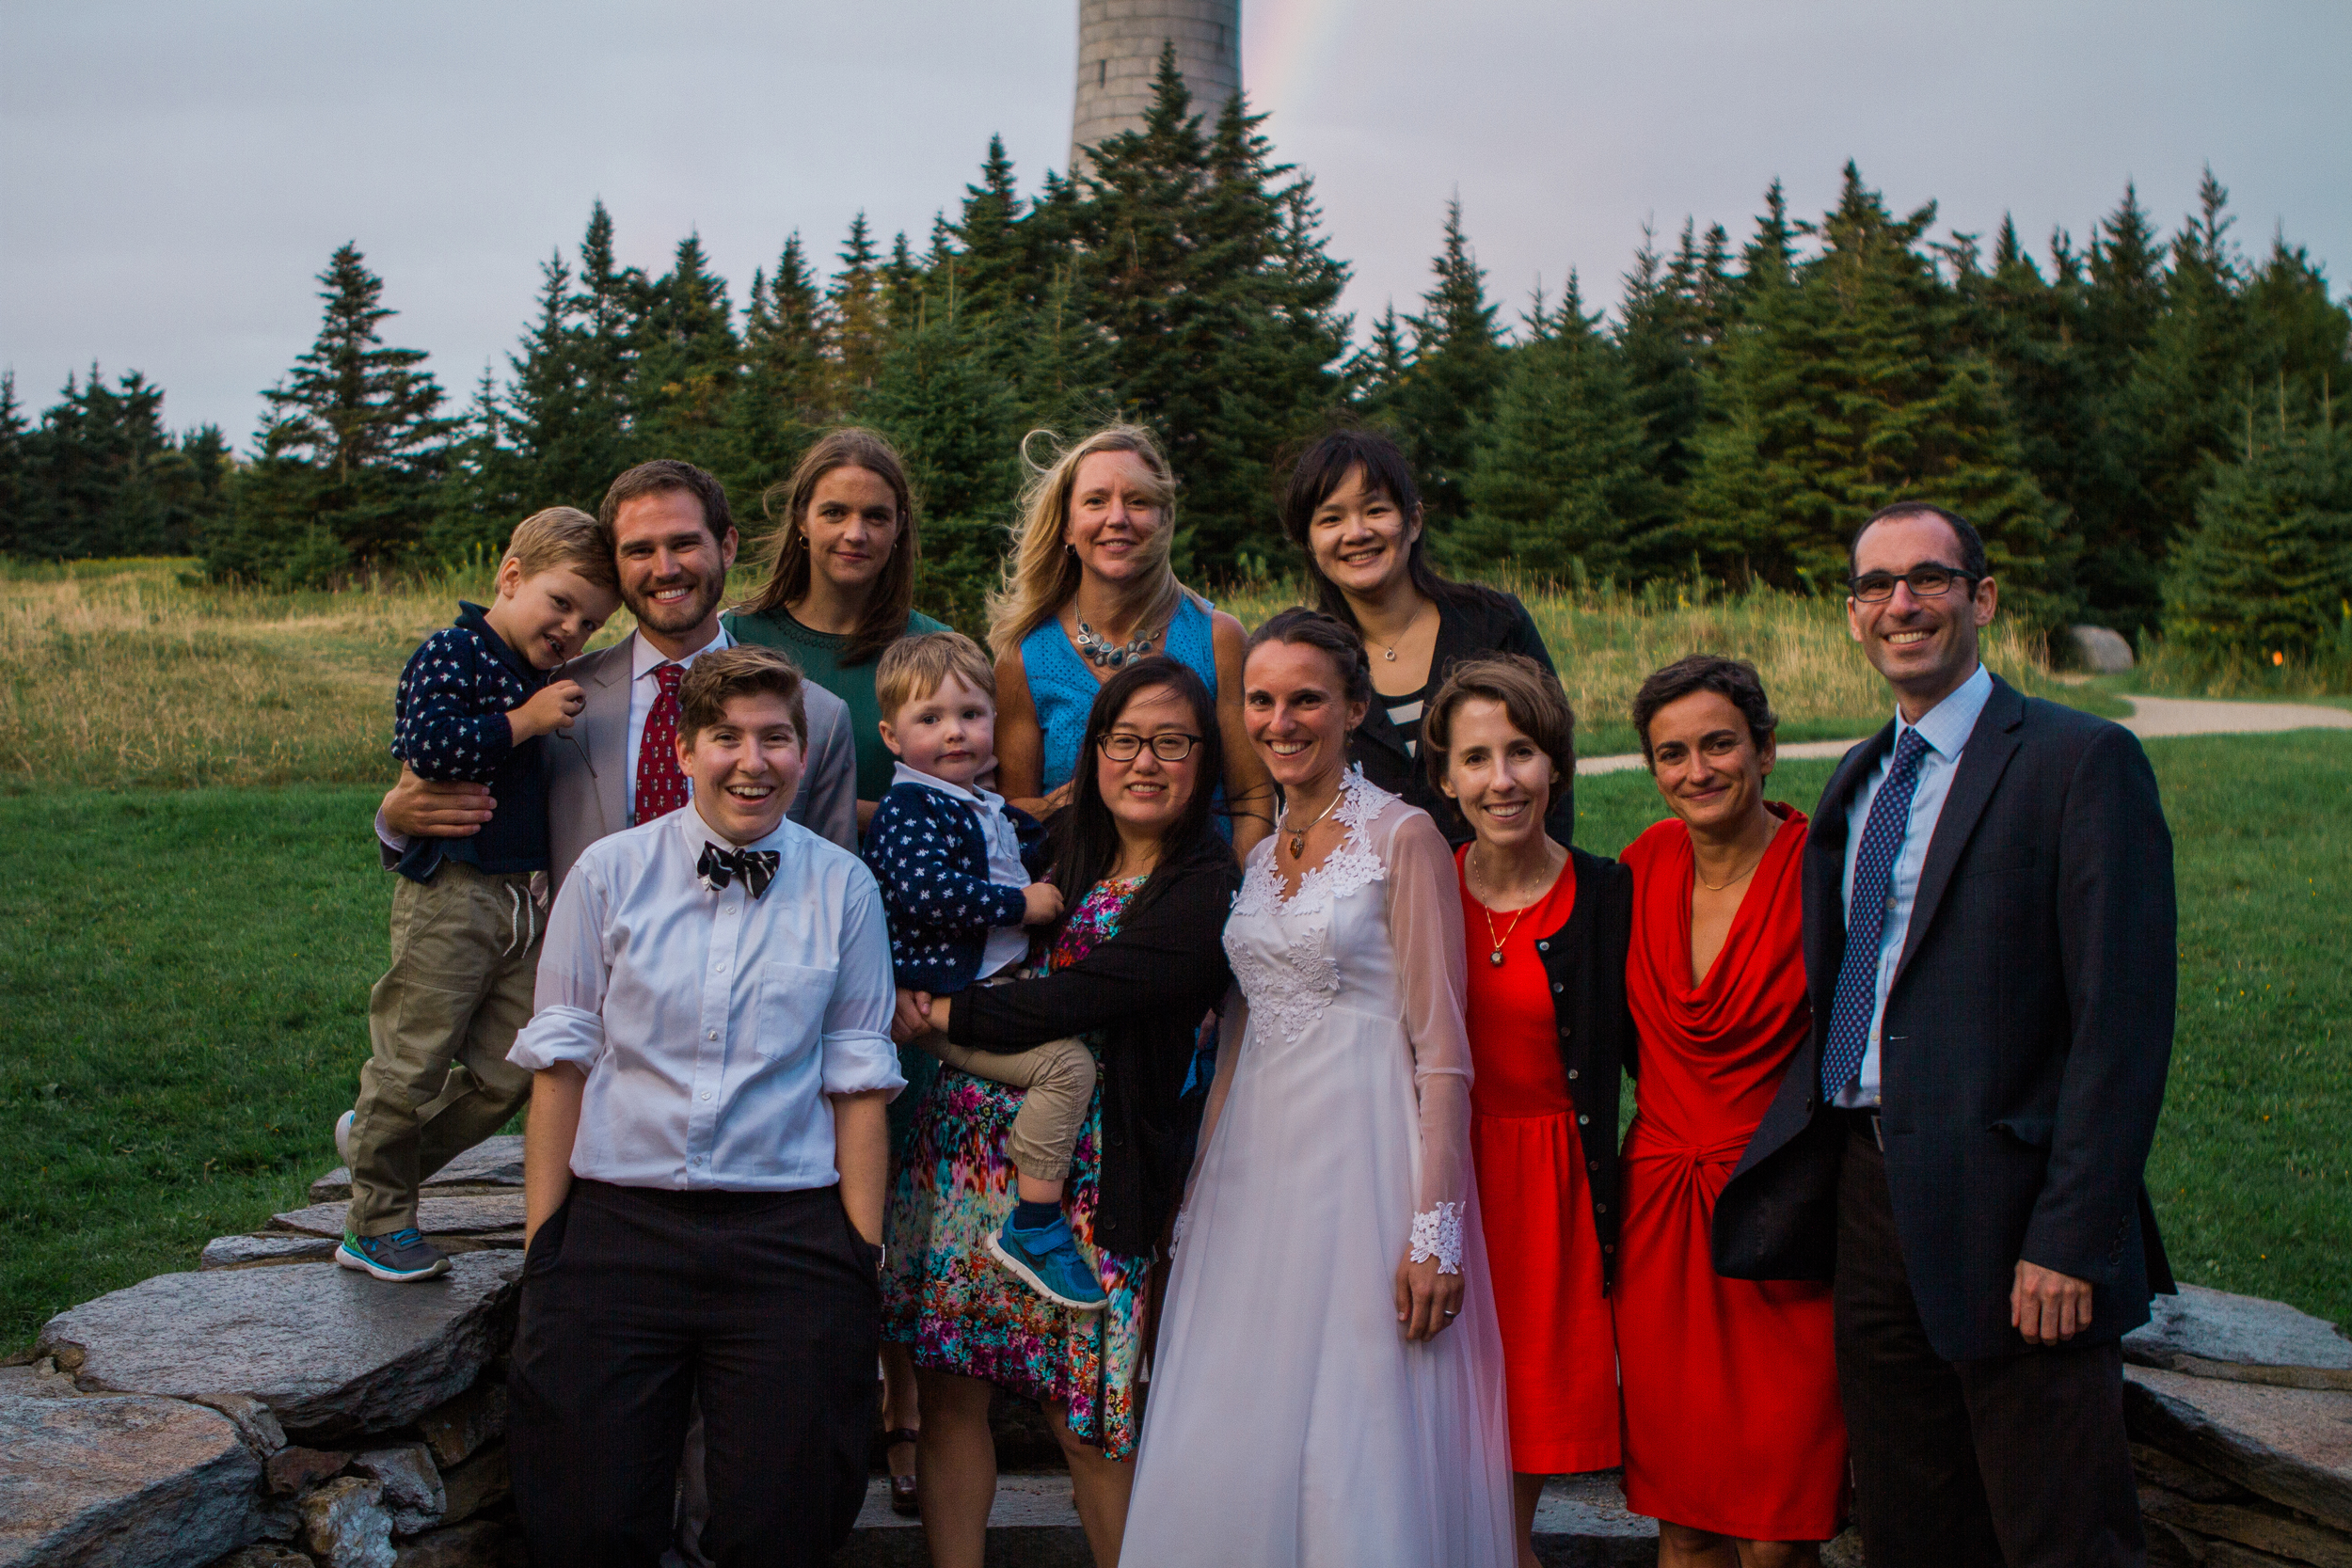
x=1062 y=687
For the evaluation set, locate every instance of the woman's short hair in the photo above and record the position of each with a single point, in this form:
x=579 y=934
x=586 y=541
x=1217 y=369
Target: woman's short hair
x=1734 y=679
x=914 y=667
x=1529 y=693
x=1318 y=472
x=717 y=678
x=788 y=562
x=562 y=537
x=1040 y=572
x=1086 y=844
x=1314 y=628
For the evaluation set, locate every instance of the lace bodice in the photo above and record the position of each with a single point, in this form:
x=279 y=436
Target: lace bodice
x=1397 y=958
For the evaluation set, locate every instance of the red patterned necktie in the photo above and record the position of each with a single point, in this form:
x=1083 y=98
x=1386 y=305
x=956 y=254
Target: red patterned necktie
x=660 y=782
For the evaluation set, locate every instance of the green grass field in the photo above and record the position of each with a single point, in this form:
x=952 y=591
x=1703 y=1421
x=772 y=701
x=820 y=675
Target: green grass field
x=184 y=976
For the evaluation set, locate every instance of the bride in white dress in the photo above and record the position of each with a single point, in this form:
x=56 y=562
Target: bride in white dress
x=1327 y=1388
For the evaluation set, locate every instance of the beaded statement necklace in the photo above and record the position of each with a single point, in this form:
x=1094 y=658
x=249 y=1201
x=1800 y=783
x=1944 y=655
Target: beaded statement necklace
x=1105 y=655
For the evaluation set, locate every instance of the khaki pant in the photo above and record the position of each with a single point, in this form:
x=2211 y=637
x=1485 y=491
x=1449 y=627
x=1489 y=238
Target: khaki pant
x=465 y=959
x=1059 y=1081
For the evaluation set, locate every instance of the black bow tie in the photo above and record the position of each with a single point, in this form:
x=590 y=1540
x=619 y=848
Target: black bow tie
x=717 y=867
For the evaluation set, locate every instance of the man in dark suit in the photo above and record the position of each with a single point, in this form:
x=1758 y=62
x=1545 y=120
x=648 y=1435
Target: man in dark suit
x=1989 y=937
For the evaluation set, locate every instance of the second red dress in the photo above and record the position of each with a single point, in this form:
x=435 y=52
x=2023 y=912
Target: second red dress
x=1730 y=1385
x=1559 y=1361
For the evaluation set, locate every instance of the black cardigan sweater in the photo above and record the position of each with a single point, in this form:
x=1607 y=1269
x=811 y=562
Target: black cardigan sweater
x=1488 y=622
x=1586 y=962
x=1142 y=994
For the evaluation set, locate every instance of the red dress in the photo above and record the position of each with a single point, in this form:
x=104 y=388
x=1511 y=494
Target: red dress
x=1559 y=1360
x=1731 y=1417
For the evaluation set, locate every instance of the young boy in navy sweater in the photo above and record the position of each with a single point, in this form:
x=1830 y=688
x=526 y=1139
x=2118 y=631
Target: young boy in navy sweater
x=956 y=867
x=473 y=703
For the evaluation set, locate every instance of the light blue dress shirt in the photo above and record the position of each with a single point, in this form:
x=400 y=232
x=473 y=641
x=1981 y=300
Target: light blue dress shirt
x=1946 y=728
x=712 y=1025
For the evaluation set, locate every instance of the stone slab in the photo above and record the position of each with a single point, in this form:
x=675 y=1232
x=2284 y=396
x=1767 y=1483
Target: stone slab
x=483 y=1214
x=482 y=1543
x=268 y=1554
x=490 y=1165
x=256 y=1423
x=2293 y=1446
x=252 y=1252
x=122 y=1483
x=2262 y=1530
x=476 y=1484
x=456 y=1430
x=331 y=1351
x=2245 y=1339
x=295 y=1470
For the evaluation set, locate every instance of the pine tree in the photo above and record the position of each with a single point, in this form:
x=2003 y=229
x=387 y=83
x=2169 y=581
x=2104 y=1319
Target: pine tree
x=605 y=313
x=1375 y=370
x=351 y=448
x=2268 y=570
x=101 y=476
x=1563 y=481
x=489 y=486
x=855 y=306
x=1661 y=337
x=1450 y=388
x=992 y=253
x=785 y=393
x=15 y=490
x=689 y=359
x=550 y=414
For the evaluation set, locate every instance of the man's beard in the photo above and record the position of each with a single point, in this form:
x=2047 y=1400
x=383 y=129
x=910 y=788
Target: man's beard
x=684 y=614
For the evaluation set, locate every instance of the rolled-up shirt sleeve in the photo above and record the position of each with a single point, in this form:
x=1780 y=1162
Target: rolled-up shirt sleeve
x=567 y=1022
x=859 y=1056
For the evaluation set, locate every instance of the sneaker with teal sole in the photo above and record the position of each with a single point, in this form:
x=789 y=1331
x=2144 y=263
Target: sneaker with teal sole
x=1047 y=1261
x=401 y=1257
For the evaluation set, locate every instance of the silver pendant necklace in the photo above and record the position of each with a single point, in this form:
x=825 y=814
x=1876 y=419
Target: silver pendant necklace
x=1109 y=656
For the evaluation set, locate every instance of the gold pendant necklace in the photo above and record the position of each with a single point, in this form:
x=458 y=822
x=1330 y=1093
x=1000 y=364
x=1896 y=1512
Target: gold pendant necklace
x=1299 y=835
x=1497 y=942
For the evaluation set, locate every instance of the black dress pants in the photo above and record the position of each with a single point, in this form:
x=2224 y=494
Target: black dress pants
x=2011 y=1461
x=633 y=1299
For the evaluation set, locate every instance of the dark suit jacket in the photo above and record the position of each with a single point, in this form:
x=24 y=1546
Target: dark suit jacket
x=2026 y=1040
x=1487 y=620
x=588 y=764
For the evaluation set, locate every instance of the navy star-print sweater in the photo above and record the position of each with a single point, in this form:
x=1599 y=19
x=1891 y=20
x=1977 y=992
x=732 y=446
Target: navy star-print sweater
x=928 y=852
x=450 y=722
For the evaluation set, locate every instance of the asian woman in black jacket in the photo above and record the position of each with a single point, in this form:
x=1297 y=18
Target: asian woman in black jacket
x=1132 y=969
x=1353 y=510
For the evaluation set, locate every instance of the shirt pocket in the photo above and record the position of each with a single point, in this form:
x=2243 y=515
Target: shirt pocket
x=791 y=1012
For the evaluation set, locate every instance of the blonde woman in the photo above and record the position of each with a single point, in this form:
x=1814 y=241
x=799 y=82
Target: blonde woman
x=1088 y=590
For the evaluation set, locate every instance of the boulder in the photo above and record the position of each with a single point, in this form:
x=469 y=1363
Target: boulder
x=2293 y=1446
x=265 y=1555
x=449 y=1223
x=344 y=1525
x=2215 y=1334
x=255 y=1422
x=476 y=1484
x=295 y=1469
x=488 y=1166
x=127 y=1480
x=248 y=1252
x=2101 y=651
x=332 y=1353
x=465 y=1423
x=2262 y=1529
x=479 y=1545
x=412 y=1487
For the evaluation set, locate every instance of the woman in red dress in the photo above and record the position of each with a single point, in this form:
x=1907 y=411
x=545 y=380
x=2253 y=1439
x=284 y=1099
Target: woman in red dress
x=1546 y=928
x=1733 y=1437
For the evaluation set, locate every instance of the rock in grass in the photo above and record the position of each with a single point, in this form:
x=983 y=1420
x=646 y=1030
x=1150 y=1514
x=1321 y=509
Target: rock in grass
x=492 y=1217
x=248 y=1252
x=412 y=1487
x=456 y=1430
x=488 y=1166
x=344 y=1525
x=331 y=1351
x=2293 y=1446
x=2245 y=1339
x=122 y=1481
x=2101 y=650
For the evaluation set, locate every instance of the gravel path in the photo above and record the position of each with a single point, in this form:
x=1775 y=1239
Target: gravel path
x=2152 y=717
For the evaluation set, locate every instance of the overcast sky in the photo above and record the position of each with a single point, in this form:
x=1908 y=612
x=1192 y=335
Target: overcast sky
x=175 y=174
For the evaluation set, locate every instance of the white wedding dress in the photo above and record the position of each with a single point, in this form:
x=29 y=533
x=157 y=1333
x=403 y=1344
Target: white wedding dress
x=1289 y=1423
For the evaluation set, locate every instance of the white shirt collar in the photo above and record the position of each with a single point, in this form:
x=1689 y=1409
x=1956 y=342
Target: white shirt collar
x=985 y=800
x=1945 y=727
x=644 y=658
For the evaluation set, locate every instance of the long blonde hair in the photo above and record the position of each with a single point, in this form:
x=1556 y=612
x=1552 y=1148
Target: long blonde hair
x=1041 y=575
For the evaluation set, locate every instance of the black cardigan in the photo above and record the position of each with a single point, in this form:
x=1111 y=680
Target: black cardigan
x=1490 y=622
x=1585 y=961
x=1143 y=993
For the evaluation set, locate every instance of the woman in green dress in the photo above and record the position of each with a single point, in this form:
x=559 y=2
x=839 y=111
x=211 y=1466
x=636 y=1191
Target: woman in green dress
x=840 y=589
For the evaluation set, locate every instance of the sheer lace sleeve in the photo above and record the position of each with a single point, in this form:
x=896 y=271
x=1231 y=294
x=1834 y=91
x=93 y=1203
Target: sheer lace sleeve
x=1425 y=926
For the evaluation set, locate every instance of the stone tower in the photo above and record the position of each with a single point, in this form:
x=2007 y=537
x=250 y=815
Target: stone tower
x=1119 y=52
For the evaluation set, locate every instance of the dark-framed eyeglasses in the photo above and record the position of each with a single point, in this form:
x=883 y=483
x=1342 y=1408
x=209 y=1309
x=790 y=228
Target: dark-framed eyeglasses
x=1168 y=746
x=1926 y=582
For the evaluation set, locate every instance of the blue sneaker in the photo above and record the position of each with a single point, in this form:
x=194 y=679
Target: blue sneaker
x=400 y=1257
x=1047 y=1261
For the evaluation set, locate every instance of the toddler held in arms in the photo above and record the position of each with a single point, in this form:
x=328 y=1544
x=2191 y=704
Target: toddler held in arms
x=956 y=867
x=472 y=705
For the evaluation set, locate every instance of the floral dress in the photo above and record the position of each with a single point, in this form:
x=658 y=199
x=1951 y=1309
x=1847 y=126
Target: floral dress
x=958 y=1308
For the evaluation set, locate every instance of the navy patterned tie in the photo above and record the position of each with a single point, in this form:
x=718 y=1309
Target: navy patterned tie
x=1866 y=917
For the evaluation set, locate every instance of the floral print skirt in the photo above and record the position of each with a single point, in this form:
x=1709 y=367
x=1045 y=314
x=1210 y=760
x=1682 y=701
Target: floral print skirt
x=947 y=1298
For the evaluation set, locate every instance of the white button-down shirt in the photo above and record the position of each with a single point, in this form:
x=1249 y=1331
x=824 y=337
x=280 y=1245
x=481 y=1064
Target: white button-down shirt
x=1946 y=728
x=1007 y=945
x=644 y=659
x=712 y=1025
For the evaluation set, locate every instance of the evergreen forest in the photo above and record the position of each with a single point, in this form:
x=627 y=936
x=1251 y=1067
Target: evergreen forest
x=2142 y=423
